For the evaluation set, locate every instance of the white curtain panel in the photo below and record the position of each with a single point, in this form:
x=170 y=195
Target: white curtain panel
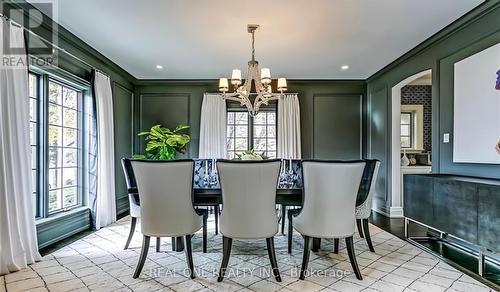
x=213 y=127
x=18 y=243
x=105 y=212
x=289 y=146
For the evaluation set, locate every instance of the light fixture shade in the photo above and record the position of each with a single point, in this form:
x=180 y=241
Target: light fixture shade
x=236 y=75
x=282 y=84
x=223 y=84
x=265 y=73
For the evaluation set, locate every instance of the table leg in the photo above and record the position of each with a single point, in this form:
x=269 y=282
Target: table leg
x=316 y=244
x=179 y=244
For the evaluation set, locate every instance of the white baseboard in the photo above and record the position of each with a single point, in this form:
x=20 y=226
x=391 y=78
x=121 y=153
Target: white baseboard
x=382 y=211
x=396 y=212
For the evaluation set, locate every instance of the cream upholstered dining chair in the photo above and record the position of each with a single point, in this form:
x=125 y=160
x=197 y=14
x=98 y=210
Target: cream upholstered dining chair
x=364 y=200
x=133 y=200
x=135 y=213
x=165 y=191
x=330 y=189
x=248 y=205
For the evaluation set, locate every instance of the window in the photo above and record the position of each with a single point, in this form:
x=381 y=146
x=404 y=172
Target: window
x=56 y=127
x=237 y=132
x=406 y=130
x=245 y=132
x=63 y=146
x=264 y=133
x=34 y=105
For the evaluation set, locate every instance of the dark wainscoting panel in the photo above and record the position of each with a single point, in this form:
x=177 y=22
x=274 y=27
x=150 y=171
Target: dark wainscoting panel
x=61 y=226
x=337 y=122
x=123 y=106
x=167 y=109
x=376 y=147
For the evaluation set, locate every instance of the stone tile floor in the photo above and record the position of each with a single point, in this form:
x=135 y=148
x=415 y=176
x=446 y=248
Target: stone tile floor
x=99 y=263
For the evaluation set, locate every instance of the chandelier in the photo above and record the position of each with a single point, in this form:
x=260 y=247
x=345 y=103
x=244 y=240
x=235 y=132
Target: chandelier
x=260 y=78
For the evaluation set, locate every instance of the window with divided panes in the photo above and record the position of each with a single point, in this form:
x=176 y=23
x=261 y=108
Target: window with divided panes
x=56 y=126
x=245 y=132
x=406 y=130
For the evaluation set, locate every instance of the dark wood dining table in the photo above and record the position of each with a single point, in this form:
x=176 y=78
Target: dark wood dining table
x=213 y=196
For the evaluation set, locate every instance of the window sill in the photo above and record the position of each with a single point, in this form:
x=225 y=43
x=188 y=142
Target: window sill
x=61 y=215
x=60 y=226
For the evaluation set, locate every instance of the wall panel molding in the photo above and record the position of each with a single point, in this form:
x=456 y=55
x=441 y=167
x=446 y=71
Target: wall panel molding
x=339 y=110
x=167 y=109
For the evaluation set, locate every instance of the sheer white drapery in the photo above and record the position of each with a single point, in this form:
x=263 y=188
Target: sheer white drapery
x=213 y=127
x=289 y=146
x=18 y=242
x=105 y=205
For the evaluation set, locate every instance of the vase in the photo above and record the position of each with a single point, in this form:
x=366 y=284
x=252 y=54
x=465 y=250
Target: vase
x=404 y=160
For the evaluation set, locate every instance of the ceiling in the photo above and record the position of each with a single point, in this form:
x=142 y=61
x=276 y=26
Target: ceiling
x=300 y=39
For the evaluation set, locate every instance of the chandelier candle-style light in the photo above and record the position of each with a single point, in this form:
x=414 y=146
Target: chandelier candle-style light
x=261 y=79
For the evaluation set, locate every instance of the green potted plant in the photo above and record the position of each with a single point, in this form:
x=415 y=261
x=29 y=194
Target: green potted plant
x=164 y=143
x=250 y=155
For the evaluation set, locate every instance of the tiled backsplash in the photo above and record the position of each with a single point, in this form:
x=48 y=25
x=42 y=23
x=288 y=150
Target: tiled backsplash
x=420 y=95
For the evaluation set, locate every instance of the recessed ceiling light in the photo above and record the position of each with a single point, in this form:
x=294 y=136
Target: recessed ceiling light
x=344 y=67
x=159 y=67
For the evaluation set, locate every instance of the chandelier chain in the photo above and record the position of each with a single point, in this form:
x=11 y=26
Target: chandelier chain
x=253 y=46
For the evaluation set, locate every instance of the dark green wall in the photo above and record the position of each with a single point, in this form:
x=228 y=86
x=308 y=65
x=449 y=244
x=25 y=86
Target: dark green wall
x=56 y=228
x=472 y=33
x=170 y=102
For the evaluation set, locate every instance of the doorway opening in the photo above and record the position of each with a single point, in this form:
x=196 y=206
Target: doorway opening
x=411 y=132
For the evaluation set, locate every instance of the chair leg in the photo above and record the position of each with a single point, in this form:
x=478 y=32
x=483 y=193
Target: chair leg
x=367 y=235
x=290 y=231
x=316 y=244
x=360 y=229
x=205 y=217
x=226 y=246
x=305 y=257
x=283 y=217
x=272 y=258
x=216 y=213
x=352 y=257
x=336 y=245
x=133 y=221
x=189 y=255
x=142 y=258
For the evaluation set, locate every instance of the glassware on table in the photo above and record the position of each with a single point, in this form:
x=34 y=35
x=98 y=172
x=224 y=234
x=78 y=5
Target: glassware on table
x=206 y=174
x=213 y=178
x=292 y=176
x=287 y=175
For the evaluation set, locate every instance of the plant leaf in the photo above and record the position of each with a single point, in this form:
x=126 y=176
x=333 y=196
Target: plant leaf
x=180 y=128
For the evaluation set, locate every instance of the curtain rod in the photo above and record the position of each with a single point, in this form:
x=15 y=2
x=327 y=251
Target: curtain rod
x=12 y=22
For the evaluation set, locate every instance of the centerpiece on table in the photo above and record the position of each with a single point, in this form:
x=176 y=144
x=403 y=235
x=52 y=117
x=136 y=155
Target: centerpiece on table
x=164 y=143
x=250 y=155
